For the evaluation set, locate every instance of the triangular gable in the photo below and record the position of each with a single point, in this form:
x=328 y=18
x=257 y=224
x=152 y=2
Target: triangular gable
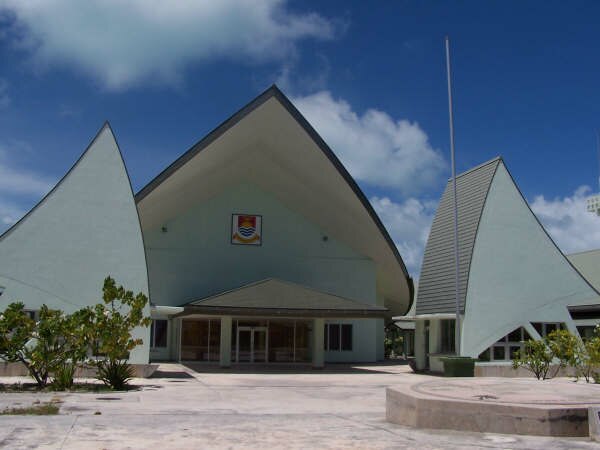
x=278 y=297
x=270 y=144
x=86 y=228
x=517 y=275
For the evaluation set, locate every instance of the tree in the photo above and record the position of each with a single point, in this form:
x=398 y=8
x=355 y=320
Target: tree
x=44 y=347
x=16 y=330
x=565 y=347
x=589 y=364
x=113 y=324
x=393 y=341
x=536 y=357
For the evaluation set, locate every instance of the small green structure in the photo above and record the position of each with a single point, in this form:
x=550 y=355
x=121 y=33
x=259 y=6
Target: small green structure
x=458 y=366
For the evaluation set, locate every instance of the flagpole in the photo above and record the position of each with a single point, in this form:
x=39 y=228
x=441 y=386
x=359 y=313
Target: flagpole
x=456 y=273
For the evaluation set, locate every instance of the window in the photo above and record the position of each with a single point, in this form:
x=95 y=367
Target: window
x=506 y=347
x=334 y=336
x=158 y=333
x=338 y=337
x=346 y=337
x=586 y=331
x=32 y=314
x=544 y=329
x=448 y=337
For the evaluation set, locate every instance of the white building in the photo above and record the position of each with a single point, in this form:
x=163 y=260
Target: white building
x=593 y=204
x=256 y=245
x=515 y=283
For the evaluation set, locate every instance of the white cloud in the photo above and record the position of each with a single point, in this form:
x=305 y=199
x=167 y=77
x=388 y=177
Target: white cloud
x=122 y=42
x=569 y=223
x=18 y=188
x=408 y=224
x=9 y=214
x=21 y=182
x=374 y=147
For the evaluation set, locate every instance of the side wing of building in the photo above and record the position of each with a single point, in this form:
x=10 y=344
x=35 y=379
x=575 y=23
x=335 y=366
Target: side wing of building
x=86 y=228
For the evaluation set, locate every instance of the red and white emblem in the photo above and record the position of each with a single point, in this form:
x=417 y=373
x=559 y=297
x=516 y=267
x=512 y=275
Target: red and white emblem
x=246 y=229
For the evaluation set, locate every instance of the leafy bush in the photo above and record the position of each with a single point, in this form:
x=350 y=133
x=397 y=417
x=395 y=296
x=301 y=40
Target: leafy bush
x=116 y=374
x=565 y=347
x=113 y=324
x=58 y=343
x=63 y=377
x=589 y=364
x=43 y=347
x=536 y=357
x=393 y=341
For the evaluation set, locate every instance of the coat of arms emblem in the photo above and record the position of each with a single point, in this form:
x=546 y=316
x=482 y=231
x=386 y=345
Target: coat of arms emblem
x=246 y=229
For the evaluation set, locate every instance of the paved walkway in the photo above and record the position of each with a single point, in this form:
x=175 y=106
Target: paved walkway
x=341 y=408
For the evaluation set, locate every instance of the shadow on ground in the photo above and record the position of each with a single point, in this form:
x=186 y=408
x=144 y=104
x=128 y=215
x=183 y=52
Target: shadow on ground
x=165 y=374
x=338 y=368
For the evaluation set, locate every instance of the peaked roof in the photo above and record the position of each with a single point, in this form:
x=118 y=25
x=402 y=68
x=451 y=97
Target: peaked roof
x=270 y=126
x=437 y=286
x=278 y=297
x=437 y=291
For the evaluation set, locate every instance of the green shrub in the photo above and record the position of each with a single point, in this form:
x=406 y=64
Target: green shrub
x=58 y=343
x=63 y=377
x=536 y=357
x=113 y=324
x=42 y=347
x=115 y=373
x=566 y=348
x=589 y=365
x=393 y=342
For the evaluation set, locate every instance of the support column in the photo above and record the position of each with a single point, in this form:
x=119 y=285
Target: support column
x=420 y=355
x=225 y=351
x=318 y=353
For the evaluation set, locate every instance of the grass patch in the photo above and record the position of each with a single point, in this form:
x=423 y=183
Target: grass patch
x=43 y=409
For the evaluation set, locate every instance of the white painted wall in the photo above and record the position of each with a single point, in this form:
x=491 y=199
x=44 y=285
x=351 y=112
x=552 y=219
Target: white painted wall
x=195 y=258
x=86 y=229
x=517 y=274
x=588 y=264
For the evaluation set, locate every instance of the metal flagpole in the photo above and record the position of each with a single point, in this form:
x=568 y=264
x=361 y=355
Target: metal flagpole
x=457 y=323
x=598 y=149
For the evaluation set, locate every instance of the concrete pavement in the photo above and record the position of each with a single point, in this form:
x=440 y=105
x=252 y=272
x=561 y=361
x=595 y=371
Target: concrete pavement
x=343 y=408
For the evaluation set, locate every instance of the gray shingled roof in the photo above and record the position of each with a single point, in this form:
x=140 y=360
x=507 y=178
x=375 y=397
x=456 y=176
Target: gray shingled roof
x=436 y=293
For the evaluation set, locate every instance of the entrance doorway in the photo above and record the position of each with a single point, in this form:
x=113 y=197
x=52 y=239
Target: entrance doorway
x=252 y=344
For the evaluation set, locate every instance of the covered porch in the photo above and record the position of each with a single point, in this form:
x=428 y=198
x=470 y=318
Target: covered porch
x=268 y=322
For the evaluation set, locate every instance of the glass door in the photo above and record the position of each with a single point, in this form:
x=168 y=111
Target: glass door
x=252 y=344
x=244 y=344
x=259 y=345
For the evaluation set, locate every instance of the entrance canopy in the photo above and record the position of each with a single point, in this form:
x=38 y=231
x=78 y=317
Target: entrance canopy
x=272 y=297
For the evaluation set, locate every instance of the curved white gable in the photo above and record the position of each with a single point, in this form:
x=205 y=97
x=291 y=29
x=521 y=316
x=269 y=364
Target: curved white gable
x=86 y=228
x=517 y=274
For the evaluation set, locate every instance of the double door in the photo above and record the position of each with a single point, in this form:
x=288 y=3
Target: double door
x=251 y=344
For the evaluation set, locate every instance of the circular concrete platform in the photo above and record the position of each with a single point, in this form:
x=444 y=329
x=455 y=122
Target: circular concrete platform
x=557 y=407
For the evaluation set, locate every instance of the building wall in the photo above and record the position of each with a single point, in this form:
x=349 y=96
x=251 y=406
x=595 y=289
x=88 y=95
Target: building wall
x=86 y=229
x=194 y=258
x=588 y=264
x=517 y=274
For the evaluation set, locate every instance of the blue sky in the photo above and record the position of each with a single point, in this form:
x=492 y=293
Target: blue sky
x=369 y=76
